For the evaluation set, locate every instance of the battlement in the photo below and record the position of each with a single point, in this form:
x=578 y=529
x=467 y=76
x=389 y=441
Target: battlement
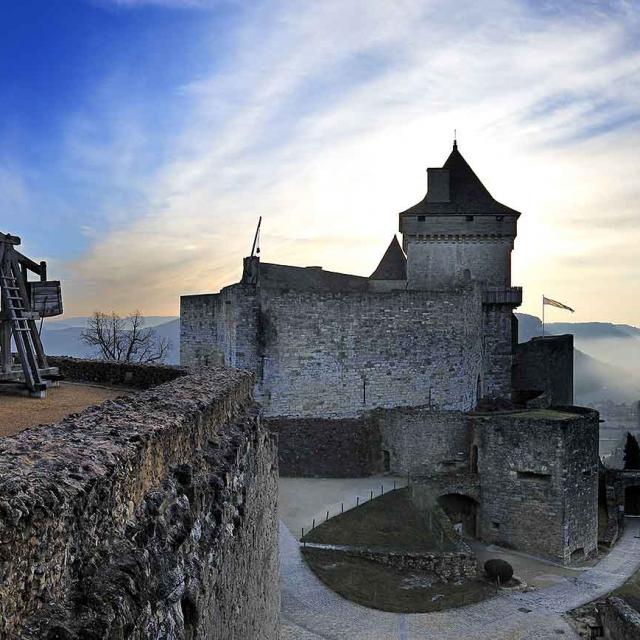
x=511 y=296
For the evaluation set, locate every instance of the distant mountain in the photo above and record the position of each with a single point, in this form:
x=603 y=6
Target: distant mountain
x=60 y=339
x=64 y=322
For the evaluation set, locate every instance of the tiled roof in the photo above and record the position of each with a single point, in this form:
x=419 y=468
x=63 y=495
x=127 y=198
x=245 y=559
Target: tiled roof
x=467 y=194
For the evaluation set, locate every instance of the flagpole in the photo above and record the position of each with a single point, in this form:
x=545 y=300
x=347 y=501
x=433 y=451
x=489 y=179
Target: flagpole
x=543 y=315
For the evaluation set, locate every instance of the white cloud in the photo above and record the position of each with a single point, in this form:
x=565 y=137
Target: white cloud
x=330 y=170
x=169 y=4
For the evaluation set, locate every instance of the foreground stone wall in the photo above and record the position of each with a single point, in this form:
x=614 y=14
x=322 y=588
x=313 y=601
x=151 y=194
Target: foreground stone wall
x=137 y=376
x=619 y=620
x=150 y=516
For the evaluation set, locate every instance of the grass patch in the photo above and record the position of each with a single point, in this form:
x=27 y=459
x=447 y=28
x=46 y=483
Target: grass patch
x=390 y=521
x=377 y=586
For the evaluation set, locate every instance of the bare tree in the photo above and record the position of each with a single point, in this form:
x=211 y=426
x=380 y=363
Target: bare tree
x=124 y=339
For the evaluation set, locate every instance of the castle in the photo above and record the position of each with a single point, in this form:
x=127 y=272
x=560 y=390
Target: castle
x=405 y=371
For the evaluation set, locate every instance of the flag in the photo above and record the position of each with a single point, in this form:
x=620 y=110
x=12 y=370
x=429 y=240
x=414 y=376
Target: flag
x=555 y=303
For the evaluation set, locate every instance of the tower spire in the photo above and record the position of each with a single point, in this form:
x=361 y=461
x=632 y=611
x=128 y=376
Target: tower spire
x=455 y=138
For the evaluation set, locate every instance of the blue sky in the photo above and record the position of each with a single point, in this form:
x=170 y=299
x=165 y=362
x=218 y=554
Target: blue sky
x=141 y=139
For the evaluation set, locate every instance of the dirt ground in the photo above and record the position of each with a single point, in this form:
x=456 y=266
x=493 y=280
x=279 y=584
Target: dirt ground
x=19 y=411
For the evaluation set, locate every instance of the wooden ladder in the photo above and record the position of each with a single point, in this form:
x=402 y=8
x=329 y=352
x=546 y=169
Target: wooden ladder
x=15 y=302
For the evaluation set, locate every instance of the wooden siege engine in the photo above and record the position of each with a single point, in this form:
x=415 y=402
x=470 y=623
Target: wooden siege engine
x=22 y=304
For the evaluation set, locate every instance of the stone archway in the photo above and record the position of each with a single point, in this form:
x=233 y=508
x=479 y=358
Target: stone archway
x=632 y=501
x=462 y=511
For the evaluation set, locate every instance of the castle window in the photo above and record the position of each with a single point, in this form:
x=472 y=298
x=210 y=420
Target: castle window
x=499 y=218
x=533 y=475
x=495 y=525
x=469 y=218
x=474 y=459
x=420 y=218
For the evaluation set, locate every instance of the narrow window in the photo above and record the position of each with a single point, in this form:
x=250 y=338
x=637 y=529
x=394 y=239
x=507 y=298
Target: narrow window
x=420 y=218
x=469 y=218
x=499 y=218
x=474 y=459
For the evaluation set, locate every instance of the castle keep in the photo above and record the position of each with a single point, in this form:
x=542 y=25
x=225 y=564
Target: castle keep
x=397 y=371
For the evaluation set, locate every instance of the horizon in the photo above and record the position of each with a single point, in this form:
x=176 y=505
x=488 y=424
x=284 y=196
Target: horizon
x=141 y=139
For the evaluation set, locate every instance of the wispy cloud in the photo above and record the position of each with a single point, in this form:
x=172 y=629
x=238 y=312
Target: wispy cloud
x=323 y=117
x=169 y=4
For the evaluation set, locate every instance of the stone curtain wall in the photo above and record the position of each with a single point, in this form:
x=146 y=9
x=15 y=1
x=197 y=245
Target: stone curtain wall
x=545 y=364
x=338 y=355
x=137 y=376
x=619 y=620
x=422 y=441
x=539 y=482
x=198 y=331
x=327 y=448
x=149 y=516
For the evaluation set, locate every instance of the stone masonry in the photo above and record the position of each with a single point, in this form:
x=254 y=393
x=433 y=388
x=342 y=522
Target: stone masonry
x=403 y=359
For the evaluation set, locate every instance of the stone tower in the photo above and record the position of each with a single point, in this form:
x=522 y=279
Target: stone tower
x=459 y=233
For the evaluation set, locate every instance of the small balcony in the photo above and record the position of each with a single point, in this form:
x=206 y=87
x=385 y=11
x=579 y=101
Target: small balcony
x=502 y=295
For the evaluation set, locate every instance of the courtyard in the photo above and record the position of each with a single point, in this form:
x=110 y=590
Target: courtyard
x=310 y=610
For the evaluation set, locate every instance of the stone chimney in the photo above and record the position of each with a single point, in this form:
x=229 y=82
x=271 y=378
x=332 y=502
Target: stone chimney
x=437 y=185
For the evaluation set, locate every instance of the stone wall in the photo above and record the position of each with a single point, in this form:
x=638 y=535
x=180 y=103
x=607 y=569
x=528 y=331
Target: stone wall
x=619 y=620
x=149 y=516
x=327 y=448
x=137 y=376
x=498 y=351
x=539 y=481
x=544 y=365
x=337 y=355
x=448 y=566
x=198 y=331
x=423 y=441
x=442 y=259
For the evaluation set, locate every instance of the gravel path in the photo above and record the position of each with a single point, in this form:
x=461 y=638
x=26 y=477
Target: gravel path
x=18 y=411
x=310 y=611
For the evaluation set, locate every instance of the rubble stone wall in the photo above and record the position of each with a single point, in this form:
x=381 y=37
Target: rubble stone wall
x=137 y=376
x=619 y=620
x=149 y=516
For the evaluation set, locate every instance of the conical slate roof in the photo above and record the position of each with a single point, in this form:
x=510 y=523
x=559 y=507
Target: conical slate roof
x=393 y=265
x=467 y=194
